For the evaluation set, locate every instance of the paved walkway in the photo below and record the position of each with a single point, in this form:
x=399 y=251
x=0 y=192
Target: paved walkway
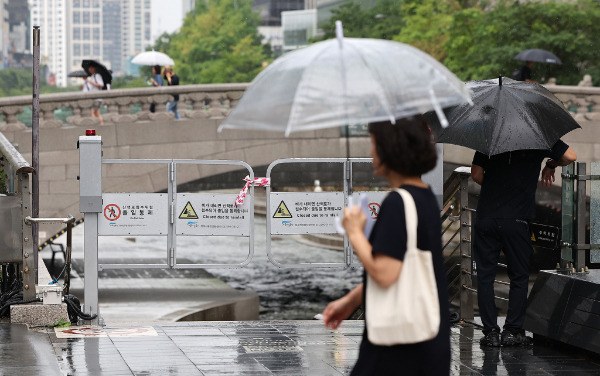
x=248 y=348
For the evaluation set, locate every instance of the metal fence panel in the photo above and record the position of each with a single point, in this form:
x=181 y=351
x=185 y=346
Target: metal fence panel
x=568 y=213
x=10 y=229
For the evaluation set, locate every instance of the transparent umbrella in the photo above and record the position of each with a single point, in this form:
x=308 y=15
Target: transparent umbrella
x=345 y=81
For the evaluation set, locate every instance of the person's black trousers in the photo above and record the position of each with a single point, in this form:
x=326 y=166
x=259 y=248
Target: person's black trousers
x=513 y=237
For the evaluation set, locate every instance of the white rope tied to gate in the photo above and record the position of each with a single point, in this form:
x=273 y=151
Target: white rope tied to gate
x=258 y=182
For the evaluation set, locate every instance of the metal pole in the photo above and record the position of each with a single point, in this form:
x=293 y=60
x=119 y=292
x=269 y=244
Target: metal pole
x=581 y=218
x=466 y=260
x=35 y=146
x=67 y=280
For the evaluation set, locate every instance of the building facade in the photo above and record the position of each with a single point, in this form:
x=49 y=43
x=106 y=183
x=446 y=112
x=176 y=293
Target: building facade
x=53 y=18
x=136 y=31
x=112 y=55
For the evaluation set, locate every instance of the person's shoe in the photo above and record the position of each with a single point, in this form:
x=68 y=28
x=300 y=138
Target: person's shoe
x=492 y=339
x=515 y=339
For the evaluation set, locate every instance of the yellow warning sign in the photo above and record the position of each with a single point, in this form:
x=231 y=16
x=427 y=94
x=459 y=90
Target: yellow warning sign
x=282 y=211
x=532 y=237
x=188 y=212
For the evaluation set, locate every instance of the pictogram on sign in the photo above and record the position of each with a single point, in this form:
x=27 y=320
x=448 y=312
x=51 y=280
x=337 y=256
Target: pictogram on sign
x=374 y=209
x=188 y=212
x=282 y=211
x=112 y=212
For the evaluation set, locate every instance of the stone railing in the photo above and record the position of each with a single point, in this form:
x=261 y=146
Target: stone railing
x=124 y=105
x=582 y=101
x=198 y=101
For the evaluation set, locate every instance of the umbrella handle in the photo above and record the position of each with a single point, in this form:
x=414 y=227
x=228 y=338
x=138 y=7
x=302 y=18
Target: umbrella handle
x=438 y=109
x=339 y=32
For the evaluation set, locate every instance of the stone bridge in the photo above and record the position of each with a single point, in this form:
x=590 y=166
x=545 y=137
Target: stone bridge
x=132 y=132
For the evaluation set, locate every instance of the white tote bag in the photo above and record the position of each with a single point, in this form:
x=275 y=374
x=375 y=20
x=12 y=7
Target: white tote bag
x=408 y=311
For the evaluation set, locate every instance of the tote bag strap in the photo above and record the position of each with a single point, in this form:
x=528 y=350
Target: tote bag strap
x=412 y=220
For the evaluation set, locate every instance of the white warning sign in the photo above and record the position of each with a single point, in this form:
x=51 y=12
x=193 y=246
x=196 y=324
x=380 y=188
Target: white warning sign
x=305 y=213
x=212 y=214
x=134 y=214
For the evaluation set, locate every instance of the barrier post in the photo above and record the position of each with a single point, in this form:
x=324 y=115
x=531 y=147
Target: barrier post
x=90 y=203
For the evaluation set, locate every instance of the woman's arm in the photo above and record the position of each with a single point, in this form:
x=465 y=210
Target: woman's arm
x=383 y=269
x=339 y=310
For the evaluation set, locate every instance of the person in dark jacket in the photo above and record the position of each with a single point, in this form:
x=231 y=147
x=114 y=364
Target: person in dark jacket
x=506 y=205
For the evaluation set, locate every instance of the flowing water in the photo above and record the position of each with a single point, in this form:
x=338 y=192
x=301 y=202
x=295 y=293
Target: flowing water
x=285 y=293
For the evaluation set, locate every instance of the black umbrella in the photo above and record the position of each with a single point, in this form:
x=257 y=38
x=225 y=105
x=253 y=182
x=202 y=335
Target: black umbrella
x=78 y=73
x=539 y=56
x=506 y=115
x=86 y=64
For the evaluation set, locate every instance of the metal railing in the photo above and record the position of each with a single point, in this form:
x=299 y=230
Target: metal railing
x=16 y=245
x=456 y=222
x=576 y=220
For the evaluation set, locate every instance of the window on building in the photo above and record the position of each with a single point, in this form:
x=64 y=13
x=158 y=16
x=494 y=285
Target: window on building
x=76 y=3
x=86 y=3
x=97 y=50
x=76 y=33
x=86 y=34
x=96 y=3
x=96 y=18
x=86 y=50
x=96 y=34
x=86 y=18
x=77 y=49
x=76 y=17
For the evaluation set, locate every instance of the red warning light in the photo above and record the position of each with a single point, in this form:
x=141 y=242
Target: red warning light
x=90 y=132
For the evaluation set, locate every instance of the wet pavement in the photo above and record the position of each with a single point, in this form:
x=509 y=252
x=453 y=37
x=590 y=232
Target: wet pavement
x=250 y=348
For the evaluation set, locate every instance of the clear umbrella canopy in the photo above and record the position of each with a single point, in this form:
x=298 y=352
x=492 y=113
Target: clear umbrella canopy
x=345 y=81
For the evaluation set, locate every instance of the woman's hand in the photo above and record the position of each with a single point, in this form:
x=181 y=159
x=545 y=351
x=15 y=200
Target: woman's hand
x=337 y=311
x=354 y=220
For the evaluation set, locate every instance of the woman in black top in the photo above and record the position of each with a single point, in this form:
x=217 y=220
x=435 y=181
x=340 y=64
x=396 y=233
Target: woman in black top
x=401 y=153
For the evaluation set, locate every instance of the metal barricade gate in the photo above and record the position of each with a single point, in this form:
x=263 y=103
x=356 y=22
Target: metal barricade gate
x=294 y=213
x=168 y=214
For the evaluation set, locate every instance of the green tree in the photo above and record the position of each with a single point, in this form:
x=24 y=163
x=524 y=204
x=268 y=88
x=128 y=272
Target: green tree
x=383 y=21
x=426 y=23
x=482 y=44
x=218 y=42
x=15 y=82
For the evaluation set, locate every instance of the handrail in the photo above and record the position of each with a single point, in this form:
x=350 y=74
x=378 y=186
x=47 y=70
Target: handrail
x=13 y=157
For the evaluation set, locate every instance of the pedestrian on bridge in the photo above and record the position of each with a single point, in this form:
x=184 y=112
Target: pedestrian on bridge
x=401 y=153
x=506 y=205
x=172 y=80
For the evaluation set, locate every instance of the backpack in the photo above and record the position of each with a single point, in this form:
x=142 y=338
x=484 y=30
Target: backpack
x=106 y=77
x=517 y=75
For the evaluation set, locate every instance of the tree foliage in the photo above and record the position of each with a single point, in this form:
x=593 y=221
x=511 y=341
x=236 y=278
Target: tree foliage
x=218 y=42
x=15 y=82
x=482 y=44
x=479 y=39
x=426 y=24
x=383 y=21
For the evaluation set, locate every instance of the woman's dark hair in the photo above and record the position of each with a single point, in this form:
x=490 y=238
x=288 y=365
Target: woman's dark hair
x=156 y=69
x=406 y=147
